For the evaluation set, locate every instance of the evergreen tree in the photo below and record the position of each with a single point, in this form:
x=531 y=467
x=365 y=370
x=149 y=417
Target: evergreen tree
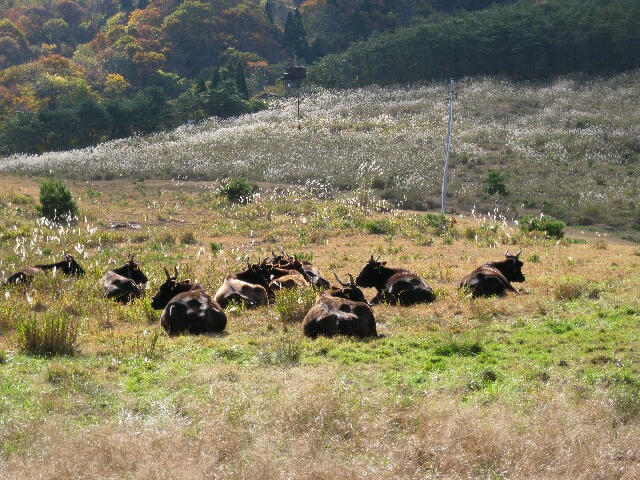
x=215 y=79
x=295 y=36
x=268 y=10
x=201 y=86
x=241 y=82
x=126 y=6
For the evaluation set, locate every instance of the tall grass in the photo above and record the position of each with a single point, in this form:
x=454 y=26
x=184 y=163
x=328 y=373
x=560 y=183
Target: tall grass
x=48 y=334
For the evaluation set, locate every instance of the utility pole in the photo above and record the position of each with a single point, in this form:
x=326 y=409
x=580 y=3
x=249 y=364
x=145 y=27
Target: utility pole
x=445 y=178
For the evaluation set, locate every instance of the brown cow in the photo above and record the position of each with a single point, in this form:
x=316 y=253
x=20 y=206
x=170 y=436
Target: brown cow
x=394 y=285
x=187 y=307
x=68 y=266
x=494 y=278
x=333 y=314
x=248 y=287
x=123 y=283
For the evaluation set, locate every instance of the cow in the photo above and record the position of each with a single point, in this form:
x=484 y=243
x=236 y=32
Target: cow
x=335 y=313
x=249 y=287
x=123 y=283
x=315 y=277
x=350 y=290
x=494 y=278
x=68 y=266
x=284 y=278
x=394 y=285
x=186 y=307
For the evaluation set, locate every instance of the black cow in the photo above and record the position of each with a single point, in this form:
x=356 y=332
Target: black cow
x=335 y=314
x=249 y=287
x=494 y=278
x=350 y=290
x=187 y=307
x=395 y=285
x=68 y=266
x=123 y=283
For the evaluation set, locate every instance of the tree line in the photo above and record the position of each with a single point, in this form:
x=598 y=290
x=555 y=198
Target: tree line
x=524 y=41
x=88 y=121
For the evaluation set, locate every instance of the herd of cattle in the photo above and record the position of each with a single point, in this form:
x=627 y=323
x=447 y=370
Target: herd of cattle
x=338 y=310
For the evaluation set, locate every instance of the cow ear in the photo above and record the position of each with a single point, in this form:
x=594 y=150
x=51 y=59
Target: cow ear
x=384 y=263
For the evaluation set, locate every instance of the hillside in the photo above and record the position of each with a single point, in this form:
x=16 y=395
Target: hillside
x=78 y=73
x=568 y=149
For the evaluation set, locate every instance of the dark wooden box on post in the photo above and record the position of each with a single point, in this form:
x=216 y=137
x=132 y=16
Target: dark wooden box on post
x=295 y=74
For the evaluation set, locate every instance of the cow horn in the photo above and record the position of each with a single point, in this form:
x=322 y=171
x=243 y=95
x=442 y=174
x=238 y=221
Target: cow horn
x=167 y=273
x=353 y=283
x=518 y=254
x=176 y=270
x=506 y=253
x=372 y=260
x=343 y=284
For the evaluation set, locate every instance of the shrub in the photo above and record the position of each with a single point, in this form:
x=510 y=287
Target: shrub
x=51 y=334
x=552 y=227
x=56 y=201
x=238 y=190
x=292 y=304
x=380 y=227
x=495 y=184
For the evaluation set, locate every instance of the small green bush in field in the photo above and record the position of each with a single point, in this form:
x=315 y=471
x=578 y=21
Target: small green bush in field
x=238 y=190
x=49 y=334
x=552 y=227
x=56 y=201
x=292 y=304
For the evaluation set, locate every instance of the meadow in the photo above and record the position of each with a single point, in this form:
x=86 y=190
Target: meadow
x=568 y=148
x=542 y=384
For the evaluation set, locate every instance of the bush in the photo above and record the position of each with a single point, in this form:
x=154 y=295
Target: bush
x=549 y=225
x=292 y=304
x=56 y=202
x=495 y=184
x=238 y=190
x=51 y=334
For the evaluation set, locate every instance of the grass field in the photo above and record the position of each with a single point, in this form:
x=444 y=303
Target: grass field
x=544 y=384
x=569 y=148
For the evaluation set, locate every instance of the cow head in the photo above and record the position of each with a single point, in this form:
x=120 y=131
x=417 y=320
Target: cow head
x=169 y=289
x=371 y=273
x=513 y=267
x=350 y=290
x=70 y=267
x=134 y=272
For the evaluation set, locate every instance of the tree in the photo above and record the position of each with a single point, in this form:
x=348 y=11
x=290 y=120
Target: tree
x=295 y=36
x=268 y=10
x=126 y=6
x=215 y=79
x=241 y=82
x=56 y=201
x=495 y=184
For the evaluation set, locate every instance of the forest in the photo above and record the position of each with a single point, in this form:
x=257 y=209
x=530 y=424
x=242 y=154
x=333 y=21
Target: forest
x=77 y=73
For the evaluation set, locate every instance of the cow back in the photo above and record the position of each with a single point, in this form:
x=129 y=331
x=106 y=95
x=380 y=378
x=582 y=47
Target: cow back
x=238 y=291
x=120 y=288
x=332 y=316
x=193 y=312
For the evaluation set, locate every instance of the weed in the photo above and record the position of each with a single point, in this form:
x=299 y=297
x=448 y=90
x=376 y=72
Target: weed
x=287 y=351
x=48 y=334
x=292 y=304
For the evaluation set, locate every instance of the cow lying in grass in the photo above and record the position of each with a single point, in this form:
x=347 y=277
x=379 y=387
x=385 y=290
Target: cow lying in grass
x=248 y=287
x=68 y=266
x=123 y=283
x=394 y=285
x=187 y=307
x=494 y=278
x=336 y=313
